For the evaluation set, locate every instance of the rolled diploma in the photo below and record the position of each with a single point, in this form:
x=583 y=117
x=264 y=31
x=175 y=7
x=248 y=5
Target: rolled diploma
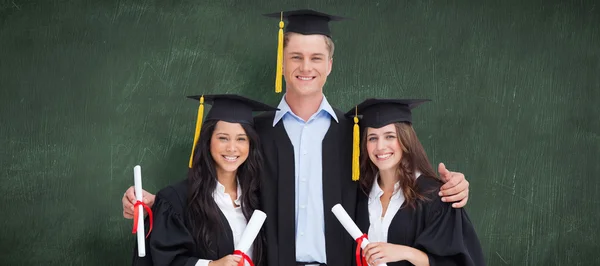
x=251 y=231
x=137 y=181
x=350 y=226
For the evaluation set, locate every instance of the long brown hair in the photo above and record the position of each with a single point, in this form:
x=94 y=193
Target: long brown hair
x=413 y=159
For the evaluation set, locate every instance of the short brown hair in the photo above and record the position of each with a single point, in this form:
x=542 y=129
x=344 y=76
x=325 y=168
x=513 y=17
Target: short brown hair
x=328 y=42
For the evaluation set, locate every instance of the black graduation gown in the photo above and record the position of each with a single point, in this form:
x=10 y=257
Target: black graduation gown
x=278 y=190
x=434 y=227
x=171 y=242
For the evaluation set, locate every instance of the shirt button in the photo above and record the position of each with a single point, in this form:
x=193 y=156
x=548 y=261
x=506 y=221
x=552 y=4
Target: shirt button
x=301 y=233
x=303 y=179
x=304 y=152
x=302 y=206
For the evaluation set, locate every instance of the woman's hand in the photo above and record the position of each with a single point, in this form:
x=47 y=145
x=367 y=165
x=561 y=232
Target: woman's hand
x=229 y=260
x=380 y=252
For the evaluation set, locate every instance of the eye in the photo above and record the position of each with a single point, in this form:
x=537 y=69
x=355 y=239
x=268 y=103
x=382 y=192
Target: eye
x=295 y=57
x=390 y=137
x=241 y=139
x=372 y=139
x=317 y=59
x=223 y=138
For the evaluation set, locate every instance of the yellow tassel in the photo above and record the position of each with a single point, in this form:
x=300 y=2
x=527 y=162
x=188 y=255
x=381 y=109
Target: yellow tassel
x=279 y=72
x=355 y=151
x=198 y=127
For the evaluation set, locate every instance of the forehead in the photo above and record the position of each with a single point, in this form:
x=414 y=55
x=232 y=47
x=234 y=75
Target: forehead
x=382 y=130
x=306 y=43
x=229 y=128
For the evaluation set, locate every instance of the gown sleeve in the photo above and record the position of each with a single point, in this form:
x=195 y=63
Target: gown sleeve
x=449 y=237
x=171 y=243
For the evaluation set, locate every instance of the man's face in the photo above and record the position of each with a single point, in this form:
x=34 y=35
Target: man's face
x=306 y=64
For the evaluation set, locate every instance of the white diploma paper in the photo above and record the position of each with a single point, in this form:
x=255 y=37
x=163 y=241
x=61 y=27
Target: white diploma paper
x=137 y=181
x=251 y=231
x=349 y=225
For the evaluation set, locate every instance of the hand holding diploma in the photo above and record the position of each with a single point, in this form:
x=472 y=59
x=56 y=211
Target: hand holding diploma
x=361 y=239
x=249 y=235
x=138 y=216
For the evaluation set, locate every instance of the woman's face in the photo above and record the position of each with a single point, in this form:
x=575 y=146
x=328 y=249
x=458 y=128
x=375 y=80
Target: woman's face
x=229 y=146
x=384 y=148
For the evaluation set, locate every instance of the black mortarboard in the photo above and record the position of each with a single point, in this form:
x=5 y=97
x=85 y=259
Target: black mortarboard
x=306 y=21
x=377 y=113
x=303 y=21
x=226 y=107
x=380 y=112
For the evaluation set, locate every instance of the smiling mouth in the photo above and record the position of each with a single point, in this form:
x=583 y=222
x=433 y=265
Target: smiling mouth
x=382 y=157
x=231 y=158
x=305 y=78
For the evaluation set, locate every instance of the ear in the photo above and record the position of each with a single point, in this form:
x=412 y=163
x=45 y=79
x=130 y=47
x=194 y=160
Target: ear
x=330 y=66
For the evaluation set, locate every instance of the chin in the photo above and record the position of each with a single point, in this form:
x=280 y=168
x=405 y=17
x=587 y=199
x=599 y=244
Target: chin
x=308 y=90
x=386 y=166
x=228 y=168
x=383 y=167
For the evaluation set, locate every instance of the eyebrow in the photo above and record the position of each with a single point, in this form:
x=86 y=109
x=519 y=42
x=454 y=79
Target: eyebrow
x=315 y=54
x=385 y=133
x=221 y=133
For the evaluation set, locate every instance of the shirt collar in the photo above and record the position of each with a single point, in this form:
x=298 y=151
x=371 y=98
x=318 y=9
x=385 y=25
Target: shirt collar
x=284 y=108
x=377 y=192
x=220 y=189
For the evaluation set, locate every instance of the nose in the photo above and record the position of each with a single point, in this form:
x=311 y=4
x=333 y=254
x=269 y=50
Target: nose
x=305 y=65
x=230 y=147
x=380 y=144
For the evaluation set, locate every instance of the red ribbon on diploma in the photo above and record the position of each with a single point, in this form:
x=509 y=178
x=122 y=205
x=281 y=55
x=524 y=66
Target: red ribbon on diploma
x=358 y=253
x=136 y=214
x=244 y=258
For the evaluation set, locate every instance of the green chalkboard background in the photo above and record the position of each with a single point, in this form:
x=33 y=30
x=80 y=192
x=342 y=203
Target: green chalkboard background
x=89 y=89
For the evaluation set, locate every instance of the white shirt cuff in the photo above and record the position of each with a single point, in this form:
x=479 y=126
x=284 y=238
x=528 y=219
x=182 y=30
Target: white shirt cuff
x=202 y=262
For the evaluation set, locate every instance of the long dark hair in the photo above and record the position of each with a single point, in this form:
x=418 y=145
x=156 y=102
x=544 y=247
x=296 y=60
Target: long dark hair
x=202 y=211
x=413 y=158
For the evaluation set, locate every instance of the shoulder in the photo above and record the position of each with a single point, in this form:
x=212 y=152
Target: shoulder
x=173 y=196
x=264 y=121
x=341 y=117
x=264 y=117
x=429 y=187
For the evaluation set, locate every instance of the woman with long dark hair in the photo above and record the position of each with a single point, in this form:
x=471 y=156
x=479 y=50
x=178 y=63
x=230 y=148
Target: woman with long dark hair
x=399 y=207
x=198 y=220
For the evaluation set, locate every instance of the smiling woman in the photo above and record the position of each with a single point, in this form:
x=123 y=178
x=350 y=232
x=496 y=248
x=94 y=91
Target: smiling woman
x=199 y=220
x=229 y=147
x=406 y=221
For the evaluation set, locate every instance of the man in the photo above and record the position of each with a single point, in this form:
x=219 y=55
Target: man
x=307 y=148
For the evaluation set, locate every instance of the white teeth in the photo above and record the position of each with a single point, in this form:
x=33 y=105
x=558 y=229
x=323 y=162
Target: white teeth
x=305 y=78
x=384 y=156
x=230 y=158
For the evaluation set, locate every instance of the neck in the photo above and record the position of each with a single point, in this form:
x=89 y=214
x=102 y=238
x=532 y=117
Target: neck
x=387 y=180
x=304 y=106
x=227 y=179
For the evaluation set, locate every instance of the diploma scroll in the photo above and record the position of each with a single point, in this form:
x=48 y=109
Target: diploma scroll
x=342 y=216
x=137 y=180
x=251 y=231
x=249 y=235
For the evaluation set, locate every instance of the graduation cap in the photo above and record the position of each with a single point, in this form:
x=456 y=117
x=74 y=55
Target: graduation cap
x=303 y=21
x=377 y=113
x=226 y=107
